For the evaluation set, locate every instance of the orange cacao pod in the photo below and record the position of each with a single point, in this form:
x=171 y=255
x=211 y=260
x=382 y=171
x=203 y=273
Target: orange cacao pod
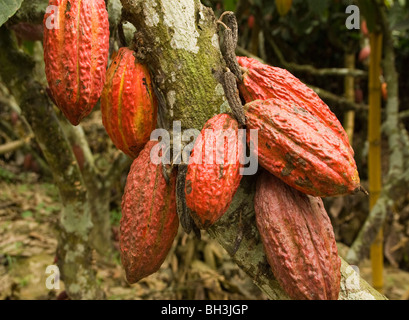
x=149 y=221
x=213 y=173
x=76 y=43
x=299 y=149
x=298 y=240
x=128 y=103
x=262 y=82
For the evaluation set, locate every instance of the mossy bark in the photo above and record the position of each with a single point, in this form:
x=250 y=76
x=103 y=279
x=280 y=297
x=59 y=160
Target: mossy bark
x=181 y=46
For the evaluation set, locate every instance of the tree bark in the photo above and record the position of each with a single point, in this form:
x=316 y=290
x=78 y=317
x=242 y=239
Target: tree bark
x=73 y=252
x=182 y=50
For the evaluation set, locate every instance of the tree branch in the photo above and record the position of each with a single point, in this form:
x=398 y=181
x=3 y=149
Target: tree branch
x=341 y=102
x=341 y=72
x=14 y=145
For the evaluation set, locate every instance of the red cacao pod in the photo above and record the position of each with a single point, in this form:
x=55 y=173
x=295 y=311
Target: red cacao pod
x=213 y=173
x=262 y=82
x=76 y=43
x=149 y=221
x=298 y=240
x=128 y=104
x=299 y=149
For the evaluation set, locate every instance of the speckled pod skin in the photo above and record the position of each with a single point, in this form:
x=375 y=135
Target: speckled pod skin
x=300 y=149
x=128 y=104
x=76 y=55
x=298 y=240
x=149 y=221
x=262 y=82
x=211 y=185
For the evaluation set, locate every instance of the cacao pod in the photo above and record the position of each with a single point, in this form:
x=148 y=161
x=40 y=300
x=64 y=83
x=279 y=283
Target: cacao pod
x=213 y=173
x=283 y=6
x=299 y=149
x=149 y=221
x=76 y=43
x=261 y=82
x=128 y=104
x=298 y=240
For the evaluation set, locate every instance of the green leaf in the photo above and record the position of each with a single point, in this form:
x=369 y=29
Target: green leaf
x=8 y=9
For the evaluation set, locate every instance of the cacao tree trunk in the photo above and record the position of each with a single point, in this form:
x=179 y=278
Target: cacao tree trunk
x=182 y=49
x=98 y=188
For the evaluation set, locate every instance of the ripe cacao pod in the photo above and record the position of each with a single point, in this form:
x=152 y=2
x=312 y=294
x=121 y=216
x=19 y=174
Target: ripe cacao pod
x=299 y=149
x=283 y=6
x=149 y=221
x=76 y=43
x=128 y=104
x=298 y=240
x=261 y=81
x=213 y=173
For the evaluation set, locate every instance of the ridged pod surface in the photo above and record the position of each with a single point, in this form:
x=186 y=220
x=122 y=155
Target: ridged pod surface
x=149 y=221
x=76 y=43
x=128 y=104
x=299 y=149
x=213 y=173
x=298 y=240
x=262 y=82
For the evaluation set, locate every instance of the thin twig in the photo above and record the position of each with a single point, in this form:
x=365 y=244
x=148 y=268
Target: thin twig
x=11 y=146
x=344 y=103
x=342 y=72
